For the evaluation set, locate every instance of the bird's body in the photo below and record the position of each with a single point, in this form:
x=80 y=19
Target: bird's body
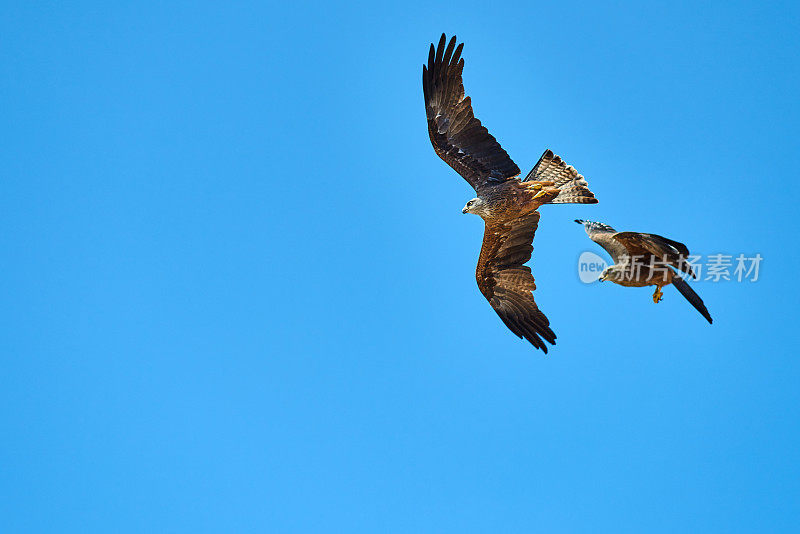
x=645 y=260
x=632 y=275
x=507 y=204
x=510 y=200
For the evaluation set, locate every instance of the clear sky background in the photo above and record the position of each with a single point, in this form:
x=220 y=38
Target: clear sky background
x=239 y=291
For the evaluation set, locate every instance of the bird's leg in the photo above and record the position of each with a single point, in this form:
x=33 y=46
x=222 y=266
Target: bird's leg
x=536 y=186
x=540 y=188
x=657 y=295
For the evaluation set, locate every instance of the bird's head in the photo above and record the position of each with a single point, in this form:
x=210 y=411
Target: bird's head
x=609 y=273
x=475 y=206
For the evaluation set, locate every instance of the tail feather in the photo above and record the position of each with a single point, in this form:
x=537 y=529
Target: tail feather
x=577 y=192
x=693 y=298
x=574 y=188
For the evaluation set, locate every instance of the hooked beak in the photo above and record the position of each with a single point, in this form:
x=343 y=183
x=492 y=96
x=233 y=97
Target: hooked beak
x=464 y=209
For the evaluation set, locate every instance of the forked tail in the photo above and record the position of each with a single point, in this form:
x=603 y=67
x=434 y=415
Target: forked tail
x=574 y=189
x=693 y=298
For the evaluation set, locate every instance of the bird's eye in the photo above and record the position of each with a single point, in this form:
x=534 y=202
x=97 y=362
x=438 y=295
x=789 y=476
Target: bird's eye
x=470 y=203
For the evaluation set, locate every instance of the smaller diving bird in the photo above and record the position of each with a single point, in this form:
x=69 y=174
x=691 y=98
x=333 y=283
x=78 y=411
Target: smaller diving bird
x=645 y=260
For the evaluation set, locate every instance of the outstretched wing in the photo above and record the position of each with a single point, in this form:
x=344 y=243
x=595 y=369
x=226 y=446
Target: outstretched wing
x=603 y=235
x=673 y=253
x=457 y=136
x=507 y=283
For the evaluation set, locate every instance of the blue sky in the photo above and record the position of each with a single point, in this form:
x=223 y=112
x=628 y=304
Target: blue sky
x=239 y=290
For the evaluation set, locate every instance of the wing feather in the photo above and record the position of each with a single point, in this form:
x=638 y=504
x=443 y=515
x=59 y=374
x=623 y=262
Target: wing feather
x=672 y=252
x=603 y=235
x=624 y=245
x=507 y=283
x=693 y=298
x=458 y=137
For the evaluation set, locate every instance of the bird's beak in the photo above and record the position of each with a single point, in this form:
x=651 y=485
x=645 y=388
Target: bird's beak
x=464 y=210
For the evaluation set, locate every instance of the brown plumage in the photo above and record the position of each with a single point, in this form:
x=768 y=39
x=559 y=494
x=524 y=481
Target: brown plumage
x=507 y=204
x=645 y=260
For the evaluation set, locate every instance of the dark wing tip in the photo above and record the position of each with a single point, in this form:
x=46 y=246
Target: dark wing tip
x=529 y=331
x=694 y=299
x=458 y=137
x=440 y=49
x=457 y=55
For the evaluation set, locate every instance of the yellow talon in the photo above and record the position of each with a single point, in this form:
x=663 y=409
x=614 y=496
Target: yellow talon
x=539 y=194
x=536 y=187
x=657 y=295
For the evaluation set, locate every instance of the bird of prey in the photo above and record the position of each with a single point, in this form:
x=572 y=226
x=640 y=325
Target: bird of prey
x=507 y=204
x=645 y=260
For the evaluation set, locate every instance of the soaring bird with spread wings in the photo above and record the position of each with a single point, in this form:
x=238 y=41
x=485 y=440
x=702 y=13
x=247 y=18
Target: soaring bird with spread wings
x=645 y=260
x=507 y=204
